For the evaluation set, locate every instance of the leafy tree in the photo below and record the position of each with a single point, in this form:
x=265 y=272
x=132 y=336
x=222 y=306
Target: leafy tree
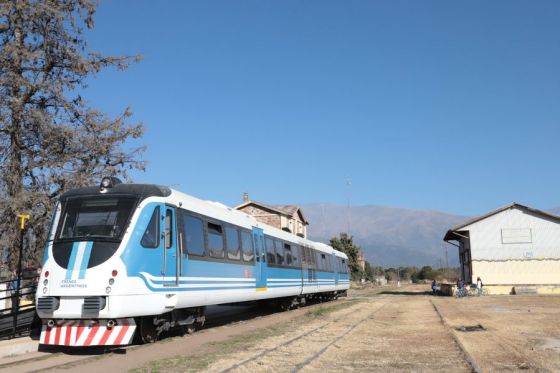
x=50 y=138
x=377 y=271
x=345 y=244
x=368 y=272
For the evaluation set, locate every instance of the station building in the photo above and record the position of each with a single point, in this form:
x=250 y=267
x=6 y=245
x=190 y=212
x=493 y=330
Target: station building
x=514 y=250
x=289 y=218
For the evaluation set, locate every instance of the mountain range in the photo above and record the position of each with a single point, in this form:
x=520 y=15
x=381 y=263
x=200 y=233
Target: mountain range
x=388 y=236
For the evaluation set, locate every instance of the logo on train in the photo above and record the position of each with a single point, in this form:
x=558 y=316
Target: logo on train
x=72 y=284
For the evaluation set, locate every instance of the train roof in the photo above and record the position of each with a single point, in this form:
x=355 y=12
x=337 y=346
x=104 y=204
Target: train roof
x=214 y=209
x=233 y=216
x=138 y=190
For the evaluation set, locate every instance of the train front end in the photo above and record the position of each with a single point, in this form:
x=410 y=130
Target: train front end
x=80 y=295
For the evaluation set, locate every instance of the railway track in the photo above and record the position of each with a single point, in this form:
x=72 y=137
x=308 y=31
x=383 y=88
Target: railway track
x=347 y=323
x=468 y=357
x=53 y=358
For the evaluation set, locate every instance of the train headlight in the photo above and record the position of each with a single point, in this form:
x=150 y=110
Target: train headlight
x=108 y=289
x=111 y=281
x=45 y=282
x=108 y=182
x=45 y=290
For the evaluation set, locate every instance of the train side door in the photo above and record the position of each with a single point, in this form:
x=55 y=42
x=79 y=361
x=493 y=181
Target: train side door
x=169 y=260
x=335 y=265
x=298 y=250
x=260 y=255
x=304 y=266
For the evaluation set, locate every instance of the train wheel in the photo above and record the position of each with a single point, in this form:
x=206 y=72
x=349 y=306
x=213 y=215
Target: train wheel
x=148 y=331
x=189 y=329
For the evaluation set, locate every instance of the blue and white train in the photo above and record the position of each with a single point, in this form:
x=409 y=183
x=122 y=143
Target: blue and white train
x=134 y=259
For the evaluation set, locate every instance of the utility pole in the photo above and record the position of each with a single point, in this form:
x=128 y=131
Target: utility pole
x=348 y=185
x=15 y=308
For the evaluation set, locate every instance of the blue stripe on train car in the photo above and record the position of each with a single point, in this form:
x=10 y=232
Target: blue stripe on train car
x=145 y=263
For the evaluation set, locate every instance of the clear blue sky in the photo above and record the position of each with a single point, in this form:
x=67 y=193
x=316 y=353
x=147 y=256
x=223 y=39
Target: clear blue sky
x=453 y=106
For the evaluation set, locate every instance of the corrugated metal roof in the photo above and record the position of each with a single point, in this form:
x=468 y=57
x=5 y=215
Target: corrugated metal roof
x=452 y=233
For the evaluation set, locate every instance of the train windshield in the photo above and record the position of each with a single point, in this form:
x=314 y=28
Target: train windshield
x=95 y=217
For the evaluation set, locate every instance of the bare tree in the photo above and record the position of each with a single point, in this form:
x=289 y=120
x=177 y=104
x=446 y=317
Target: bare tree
x=50 y=138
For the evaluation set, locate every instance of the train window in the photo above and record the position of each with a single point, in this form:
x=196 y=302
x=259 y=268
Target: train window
x=344 y=268
x=95 y=217
x=279 y=252
x=313 y=255
x=232 y=240
x=288 y=252
x=323 y=262
x=168 y=229
x=215 y=240
x=247 y=247
x=150 y=239
x=309 y=257
x=193 y=236
x=270 y=254
x=295 y=255
x=304 y=257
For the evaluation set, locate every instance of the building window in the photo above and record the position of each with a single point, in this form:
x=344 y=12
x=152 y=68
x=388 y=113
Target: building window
x=516 y=235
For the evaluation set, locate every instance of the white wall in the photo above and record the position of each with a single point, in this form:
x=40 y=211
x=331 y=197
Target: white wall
x=515 y=247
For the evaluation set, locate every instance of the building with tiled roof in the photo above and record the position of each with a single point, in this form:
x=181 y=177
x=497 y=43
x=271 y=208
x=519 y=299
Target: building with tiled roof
x=289 y=218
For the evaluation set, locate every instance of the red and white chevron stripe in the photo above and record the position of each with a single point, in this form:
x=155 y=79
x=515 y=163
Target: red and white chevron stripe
x=88 y=333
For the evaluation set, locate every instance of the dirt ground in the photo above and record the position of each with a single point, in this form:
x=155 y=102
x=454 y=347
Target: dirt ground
x=519 y=332
x=374 y=329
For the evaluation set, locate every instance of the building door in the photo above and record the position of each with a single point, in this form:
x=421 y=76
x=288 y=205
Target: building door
x=260 y=255
x=170 y=262
x=465 y=258
x=467 y=262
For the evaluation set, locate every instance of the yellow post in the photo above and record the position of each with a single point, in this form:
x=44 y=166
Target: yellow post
x=23 y=218
x=15 y=307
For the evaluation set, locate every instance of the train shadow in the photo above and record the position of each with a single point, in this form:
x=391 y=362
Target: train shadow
x=83 y=351
x=226 y=314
